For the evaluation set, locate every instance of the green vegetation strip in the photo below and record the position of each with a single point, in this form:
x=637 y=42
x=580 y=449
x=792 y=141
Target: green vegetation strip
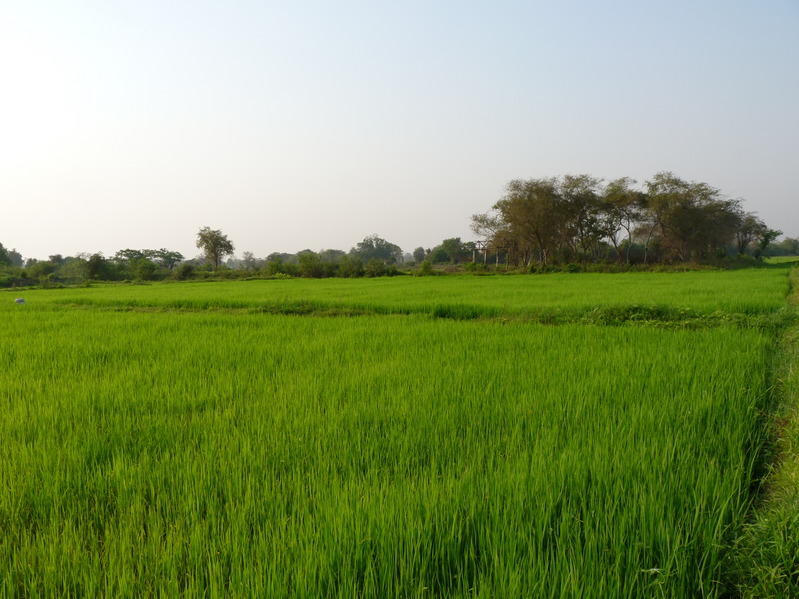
x=767 y=554
x=743 y=291
x=687 y=299
x=205 y=450
x=614 y=315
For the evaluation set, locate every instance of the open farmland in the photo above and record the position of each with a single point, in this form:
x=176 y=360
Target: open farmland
x=744 y=292
x=192 y=446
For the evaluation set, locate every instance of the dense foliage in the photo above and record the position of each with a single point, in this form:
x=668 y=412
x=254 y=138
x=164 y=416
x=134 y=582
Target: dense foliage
x=577 y=218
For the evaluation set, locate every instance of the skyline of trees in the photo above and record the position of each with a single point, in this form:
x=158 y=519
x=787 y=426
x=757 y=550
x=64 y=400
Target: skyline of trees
x=537 y=223
x=140 y=265
x=578 y=219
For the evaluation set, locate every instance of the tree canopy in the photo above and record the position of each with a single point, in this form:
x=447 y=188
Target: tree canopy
x=214 y=244
x=374 y=247
x=578 y=218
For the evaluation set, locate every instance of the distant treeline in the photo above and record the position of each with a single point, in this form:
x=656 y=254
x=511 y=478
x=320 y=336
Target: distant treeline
x=372 y=257
x=559 y=223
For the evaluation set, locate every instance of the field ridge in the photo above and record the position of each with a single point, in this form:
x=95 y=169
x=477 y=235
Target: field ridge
x=634 y=314
x=766 y=555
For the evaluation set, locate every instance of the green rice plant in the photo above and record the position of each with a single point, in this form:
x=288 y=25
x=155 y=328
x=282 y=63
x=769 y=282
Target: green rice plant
x=562 y=297
x=781 y=260
x=221 y=453
x=765 y=559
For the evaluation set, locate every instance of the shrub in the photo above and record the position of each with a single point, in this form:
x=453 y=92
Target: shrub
x=350 y=267
x=376 y=268
x=475 y=267
x=425 y=269
x=183 y=271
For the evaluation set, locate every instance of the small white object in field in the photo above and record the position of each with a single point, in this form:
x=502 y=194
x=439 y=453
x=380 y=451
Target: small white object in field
x=19 y=300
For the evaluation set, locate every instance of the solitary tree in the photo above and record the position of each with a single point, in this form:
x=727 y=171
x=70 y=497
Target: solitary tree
x=214 y=244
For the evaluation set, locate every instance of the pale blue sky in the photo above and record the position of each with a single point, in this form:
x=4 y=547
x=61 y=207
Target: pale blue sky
x=314 y=124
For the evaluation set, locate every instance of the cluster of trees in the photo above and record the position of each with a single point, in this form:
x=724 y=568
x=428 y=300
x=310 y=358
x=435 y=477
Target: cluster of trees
x=372 y=257
x=538 y=221
x=579 y=218
x=127 y=264
x=449 y=251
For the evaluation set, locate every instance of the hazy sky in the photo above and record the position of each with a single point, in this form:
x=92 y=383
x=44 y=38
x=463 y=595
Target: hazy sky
x=312 y=124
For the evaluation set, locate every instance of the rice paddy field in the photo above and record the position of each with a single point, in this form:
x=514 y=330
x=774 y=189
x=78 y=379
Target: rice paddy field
x=750 y=292
x=430 y=437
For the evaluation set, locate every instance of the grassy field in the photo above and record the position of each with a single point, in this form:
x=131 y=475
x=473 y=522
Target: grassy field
x=782 y=259
x=754 y=291
x=210 y=450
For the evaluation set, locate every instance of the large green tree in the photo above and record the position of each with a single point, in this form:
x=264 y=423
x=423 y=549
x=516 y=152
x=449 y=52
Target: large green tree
x=374 y=247
x=532 y=218
x=214 y=244
x=692 y=218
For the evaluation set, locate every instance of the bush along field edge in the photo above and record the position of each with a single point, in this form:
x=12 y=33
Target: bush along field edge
x=766 y=555
x=655 y=315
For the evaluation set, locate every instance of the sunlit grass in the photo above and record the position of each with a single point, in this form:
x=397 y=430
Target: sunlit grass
x=782 y=259
x=212 y=454
x=767 y=553
x=753 y=291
